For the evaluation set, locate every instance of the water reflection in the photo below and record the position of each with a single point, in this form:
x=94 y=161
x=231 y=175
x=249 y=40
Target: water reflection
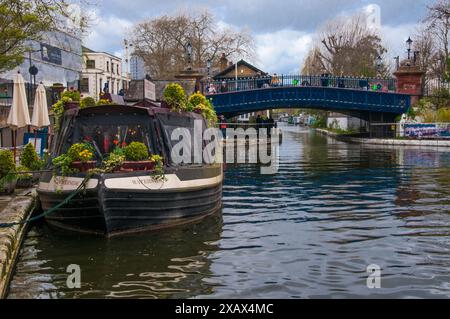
x=169 y=264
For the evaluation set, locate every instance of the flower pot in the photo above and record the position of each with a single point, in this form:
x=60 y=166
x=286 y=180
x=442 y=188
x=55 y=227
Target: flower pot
x=71 y=105
x=83 y=166
x=138 y=166
x=8 y=187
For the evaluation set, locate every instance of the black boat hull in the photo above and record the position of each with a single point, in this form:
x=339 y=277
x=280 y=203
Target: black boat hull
x=117 y=204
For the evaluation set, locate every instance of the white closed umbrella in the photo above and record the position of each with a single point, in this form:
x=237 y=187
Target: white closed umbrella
x=19 y=115
x=40 y=117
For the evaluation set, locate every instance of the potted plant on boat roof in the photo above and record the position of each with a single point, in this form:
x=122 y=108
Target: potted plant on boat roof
x=201 y=105
x=8 y=177
x=87 y=102
x=175 y=97
x=69 y=100
x=74 y=97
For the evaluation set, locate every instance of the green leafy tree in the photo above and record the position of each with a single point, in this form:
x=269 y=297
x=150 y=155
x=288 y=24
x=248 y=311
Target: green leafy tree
x=25 y=20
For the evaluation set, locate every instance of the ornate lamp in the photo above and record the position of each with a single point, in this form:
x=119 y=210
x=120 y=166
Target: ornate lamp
x=409 y=42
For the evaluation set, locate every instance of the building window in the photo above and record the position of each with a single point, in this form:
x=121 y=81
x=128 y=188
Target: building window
x=84 y=85
x=112 y=67
x=107 y=66
x=118 y=70
x=90 y=64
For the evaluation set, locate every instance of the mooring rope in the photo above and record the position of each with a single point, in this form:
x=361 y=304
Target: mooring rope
x=53 y=209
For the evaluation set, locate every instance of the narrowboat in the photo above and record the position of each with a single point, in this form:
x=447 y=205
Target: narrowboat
x=128 y=199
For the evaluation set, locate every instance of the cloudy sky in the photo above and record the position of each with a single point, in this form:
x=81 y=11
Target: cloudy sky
x=283 y=30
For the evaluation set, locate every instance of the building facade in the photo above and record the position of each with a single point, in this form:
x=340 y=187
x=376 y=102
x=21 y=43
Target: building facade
x=57 y=57
x=102 y=72
x=58 y=61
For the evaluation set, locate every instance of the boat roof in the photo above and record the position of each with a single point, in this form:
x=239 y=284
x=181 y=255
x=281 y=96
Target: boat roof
x=129 y=109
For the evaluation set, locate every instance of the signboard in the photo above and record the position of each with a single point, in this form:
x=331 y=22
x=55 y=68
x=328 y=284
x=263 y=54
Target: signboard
x=427 y=130
x=149 y=90
x=51 y=54
x=39 y=141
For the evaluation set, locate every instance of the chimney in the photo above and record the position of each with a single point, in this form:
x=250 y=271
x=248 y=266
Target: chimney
x=223 y=62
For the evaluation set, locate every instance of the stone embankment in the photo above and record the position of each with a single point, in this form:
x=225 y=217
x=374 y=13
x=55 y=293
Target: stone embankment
x=14 y=209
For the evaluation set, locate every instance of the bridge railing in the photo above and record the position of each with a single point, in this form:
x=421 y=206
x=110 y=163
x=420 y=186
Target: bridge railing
x=254 y=83
x=436 y=87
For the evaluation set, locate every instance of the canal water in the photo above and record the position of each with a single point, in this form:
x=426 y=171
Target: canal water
x=309 y=231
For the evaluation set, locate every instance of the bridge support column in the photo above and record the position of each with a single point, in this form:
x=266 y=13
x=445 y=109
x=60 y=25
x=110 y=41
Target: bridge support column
x=410 y=80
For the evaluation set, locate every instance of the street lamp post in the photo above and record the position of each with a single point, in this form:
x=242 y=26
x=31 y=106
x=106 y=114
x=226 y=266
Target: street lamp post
x=189 y=55
x=208 y=65
x=33 y=70
x=127 y=62
x=409 y=42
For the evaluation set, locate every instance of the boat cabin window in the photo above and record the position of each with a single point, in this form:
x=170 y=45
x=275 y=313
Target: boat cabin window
x=115 y=132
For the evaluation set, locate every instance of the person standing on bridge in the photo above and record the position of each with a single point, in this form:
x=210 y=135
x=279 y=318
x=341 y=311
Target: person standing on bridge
x=275 y=80
x=259 y=80
x=223 y=87
x=212 y=89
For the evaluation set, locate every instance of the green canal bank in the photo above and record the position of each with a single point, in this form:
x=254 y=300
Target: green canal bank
x=384 y=141
x=15 y=209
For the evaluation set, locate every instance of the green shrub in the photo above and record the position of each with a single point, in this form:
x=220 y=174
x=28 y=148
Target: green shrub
x=443 y=115
x=87 y=102
x=103 y=102
x=136 y=151
x=30 y=159
x=197 y=99
x=74 y=95
x=208 y=112
x=7 y=165
x=175 y=97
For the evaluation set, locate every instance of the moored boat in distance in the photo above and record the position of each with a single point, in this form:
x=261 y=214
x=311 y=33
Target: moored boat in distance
x=128 y=196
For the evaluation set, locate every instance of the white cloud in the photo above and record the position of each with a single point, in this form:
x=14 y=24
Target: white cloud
x=283 y=51
x=394 y=38
x=107 y=32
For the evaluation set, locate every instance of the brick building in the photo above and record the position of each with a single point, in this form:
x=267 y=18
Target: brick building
x=242 y=70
